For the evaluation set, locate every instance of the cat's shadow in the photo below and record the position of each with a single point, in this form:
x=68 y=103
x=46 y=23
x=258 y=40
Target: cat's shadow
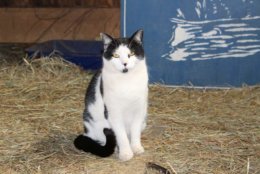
x=59 y=144
x=56 y=143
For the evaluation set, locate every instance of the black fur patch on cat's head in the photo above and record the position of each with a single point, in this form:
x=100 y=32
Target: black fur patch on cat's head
x=134 y=43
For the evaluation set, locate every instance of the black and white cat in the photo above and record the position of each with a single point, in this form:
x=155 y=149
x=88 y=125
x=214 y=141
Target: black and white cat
x=116 y=100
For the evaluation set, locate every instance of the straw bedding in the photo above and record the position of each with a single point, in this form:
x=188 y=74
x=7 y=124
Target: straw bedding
x=189 y=130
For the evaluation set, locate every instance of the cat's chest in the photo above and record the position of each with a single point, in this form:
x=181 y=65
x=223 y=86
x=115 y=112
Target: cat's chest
x=125 y=85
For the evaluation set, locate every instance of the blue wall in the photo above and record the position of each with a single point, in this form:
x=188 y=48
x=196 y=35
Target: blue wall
x=202 y=42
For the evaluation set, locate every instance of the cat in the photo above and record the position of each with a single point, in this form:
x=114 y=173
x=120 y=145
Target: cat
x=116 y=100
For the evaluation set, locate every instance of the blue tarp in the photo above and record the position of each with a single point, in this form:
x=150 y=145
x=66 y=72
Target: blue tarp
x=87 y=54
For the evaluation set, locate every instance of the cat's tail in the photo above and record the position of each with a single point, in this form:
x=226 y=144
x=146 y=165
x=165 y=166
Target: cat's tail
x=89 y=145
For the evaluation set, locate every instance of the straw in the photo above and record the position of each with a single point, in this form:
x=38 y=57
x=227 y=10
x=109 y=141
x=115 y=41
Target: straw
x=188 y=130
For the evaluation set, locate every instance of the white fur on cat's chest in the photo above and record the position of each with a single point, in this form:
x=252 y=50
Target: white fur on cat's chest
x=125 y=94
x=130 y=85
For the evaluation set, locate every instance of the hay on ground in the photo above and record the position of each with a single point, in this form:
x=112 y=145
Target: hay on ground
x=189 y=130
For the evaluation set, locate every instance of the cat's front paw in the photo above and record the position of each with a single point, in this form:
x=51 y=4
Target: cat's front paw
x=125 y=155
x=138 y=149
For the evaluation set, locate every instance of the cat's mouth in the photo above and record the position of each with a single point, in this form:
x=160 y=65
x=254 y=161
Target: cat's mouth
x=125 y=70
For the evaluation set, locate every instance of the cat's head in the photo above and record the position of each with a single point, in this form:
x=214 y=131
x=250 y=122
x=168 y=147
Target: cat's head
x=123 y=54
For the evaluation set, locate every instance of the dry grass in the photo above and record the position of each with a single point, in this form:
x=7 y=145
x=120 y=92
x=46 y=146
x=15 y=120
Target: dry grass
x=189 y=131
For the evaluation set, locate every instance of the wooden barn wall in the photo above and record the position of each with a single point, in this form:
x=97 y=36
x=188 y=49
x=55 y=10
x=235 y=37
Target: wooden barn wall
x=29 y=25
x=61 y=3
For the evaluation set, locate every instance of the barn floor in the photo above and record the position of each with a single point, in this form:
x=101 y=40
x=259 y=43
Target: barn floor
x=189 y=131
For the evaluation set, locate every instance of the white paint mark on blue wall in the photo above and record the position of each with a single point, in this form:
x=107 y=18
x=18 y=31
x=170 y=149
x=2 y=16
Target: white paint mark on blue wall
x=206 y=39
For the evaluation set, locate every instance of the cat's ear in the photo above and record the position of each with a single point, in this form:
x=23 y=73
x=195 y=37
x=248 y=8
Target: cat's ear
x=107 y=39
x=137 y=36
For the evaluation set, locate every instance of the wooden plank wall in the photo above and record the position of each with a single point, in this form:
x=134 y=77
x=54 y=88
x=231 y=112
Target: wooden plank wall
x=30 y=25
x=61 y=3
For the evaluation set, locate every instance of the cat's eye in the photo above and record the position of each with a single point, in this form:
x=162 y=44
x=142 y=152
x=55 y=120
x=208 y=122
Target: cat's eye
x=115 y=55
x=131 y=54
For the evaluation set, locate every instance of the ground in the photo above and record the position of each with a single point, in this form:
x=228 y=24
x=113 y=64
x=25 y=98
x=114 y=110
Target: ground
x=188 y=130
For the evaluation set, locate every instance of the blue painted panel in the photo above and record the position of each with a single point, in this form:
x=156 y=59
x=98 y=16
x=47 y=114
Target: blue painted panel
x=203 y=42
